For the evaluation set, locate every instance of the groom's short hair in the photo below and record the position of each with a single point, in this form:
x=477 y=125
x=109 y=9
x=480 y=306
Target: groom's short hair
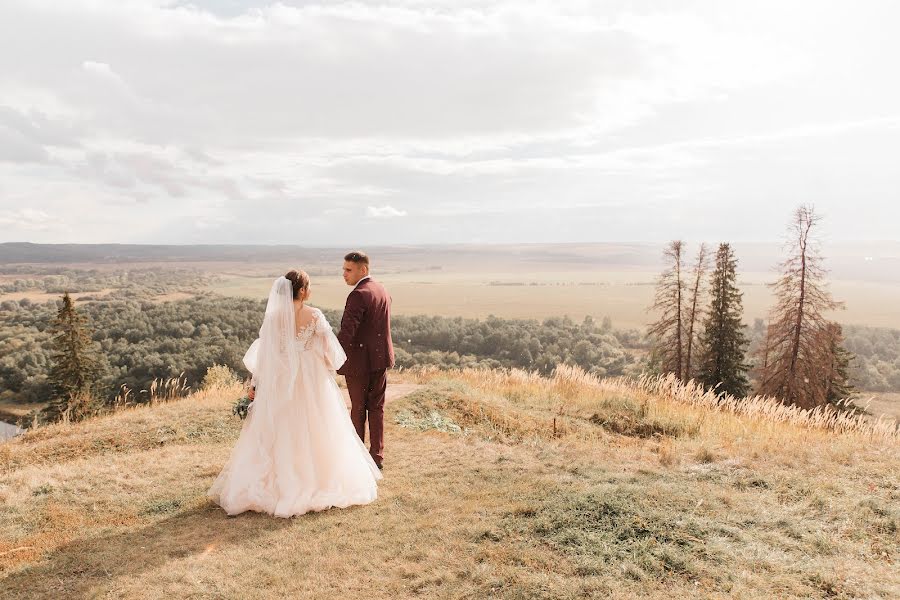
x=358 y=258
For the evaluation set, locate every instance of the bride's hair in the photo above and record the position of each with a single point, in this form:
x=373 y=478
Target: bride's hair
x=299 y=280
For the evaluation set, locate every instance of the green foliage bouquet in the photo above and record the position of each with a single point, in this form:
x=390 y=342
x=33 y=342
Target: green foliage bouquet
x=241 y=407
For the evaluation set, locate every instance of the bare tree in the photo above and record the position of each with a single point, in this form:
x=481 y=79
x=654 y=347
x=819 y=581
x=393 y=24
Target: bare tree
x=668 y=330
x=799 y=337
x=694 y=309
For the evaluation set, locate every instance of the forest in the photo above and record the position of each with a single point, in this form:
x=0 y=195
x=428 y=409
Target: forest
x=142 y=340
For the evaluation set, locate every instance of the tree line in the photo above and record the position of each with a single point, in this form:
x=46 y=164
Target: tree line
x=68 y=352
x=145 y=282
x=699 y=333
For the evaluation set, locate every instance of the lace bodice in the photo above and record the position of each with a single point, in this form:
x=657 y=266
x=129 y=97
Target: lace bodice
x=316 y=336
x=304 y=338
x=306 y=334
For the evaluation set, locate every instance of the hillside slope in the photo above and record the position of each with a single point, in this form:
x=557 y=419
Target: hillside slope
x=497 y=485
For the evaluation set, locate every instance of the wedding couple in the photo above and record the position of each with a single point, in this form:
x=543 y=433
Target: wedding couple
x=299 y=450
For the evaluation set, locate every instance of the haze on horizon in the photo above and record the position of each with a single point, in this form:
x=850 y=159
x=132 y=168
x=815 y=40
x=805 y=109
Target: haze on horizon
x=410 y=122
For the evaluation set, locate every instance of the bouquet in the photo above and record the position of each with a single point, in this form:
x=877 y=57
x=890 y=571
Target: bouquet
x=241 y=407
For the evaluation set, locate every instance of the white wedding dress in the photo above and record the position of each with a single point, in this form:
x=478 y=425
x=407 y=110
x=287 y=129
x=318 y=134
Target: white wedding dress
x=298 y=450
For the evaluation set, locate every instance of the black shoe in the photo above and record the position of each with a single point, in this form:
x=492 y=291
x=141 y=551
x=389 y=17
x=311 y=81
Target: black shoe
x=380 y=466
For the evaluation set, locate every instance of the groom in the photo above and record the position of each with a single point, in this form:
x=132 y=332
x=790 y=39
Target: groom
x=366 y=338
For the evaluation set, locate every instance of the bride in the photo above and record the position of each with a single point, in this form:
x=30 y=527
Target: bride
x=298 y=450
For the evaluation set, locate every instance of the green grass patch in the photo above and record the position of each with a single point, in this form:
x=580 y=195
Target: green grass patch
x=618 y=526
x=161 y=507
x=432 y=420
x=626 y=416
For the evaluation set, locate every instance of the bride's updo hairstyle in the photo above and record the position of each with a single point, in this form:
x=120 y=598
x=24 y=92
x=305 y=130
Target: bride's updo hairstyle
x=299 y=280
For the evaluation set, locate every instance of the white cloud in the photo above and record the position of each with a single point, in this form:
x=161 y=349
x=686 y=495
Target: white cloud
x=384 y=212
x=99 y=68
x=232 y=112
x=29 y=220
x=15 y=147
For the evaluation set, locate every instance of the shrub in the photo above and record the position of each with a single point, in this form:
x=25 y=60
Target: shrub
x=218 y=377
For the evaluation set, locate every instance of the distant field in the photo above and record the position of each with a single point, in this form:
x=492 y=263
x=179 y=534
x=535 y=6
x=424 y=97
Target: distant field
x=622 y=295
x=457 y=294
x=37 y=296
x=514 y=281
x=883 y=403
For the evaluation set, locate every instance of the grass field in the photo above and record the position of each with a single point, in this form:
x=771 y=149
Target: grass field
x=496 y=486
x=524 y=281
x=882 y=403
x=624 y=296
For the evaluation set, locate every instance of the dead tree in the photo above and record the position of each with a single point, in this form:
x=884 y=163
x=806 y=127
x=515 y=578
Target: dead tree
x=797 y=350
x=668 y=331
x=694 y=309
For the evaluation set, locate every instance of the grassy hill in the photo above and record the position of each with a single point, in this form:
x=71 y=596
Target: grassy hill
x=498 y=485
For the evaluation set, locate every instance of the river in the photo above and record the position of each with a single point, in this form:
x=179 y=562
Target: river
x=8 y=431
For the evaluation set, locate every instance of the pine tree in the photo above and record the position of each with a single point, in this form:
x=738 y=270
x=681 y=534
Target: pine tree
x=694 y=309
x=75 y=367
x=837 y=366
x=668 y=331
x=796 y=353
x=723 y=340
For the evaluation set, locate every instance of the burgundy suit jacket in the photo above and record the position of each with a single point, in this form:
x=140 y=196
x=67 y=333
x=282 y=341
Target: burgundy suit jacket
x=366 y=330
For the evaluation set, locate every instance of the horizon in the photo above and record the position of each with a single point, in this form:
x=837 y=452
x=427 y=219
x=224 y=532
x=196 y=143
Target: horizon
x=839 y=242
x=399 y=245
x=875 y=262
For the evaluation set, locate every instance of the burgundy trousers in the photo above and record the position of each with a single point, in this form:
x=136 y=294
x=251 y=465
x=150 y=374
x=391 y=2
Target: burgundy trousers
x=367 y=402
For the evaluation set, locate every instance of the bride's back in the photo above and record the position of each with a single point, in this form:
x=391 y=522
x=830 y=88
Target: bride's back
x=305 y=317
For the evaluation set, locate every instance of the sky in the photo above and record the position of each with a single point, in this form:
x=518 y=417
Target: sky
x=412 y=122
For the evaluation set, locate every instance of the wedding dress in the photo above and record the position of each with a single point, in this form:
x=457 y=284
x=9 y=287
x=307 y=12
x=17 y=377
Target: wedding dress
x=298 y=450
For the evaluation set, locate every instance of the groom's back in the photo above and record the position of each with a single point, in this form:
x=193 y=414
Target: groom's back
x=370 y=348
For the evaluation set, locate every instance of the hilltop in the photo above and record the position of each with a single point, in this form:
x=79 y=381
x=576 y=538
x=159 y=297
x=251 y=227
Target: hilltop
x=498 y=484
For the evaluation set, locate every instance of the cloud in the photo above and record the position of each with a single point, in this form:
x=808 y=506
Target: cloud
x=392 y=71
x=231 y=113
x=99 y=68
x=15 y=147
x=28 y=219
x=164 y=170
x=384 y=212
x=29 y=136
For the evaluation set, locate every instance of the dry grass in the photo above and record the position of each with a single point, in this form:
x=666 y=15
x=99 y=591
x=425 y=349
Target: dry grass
x=11 y=410
x=571 y=388
x=882 y=403
x=670 y=390
x=160 y=390
x=628 y=495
